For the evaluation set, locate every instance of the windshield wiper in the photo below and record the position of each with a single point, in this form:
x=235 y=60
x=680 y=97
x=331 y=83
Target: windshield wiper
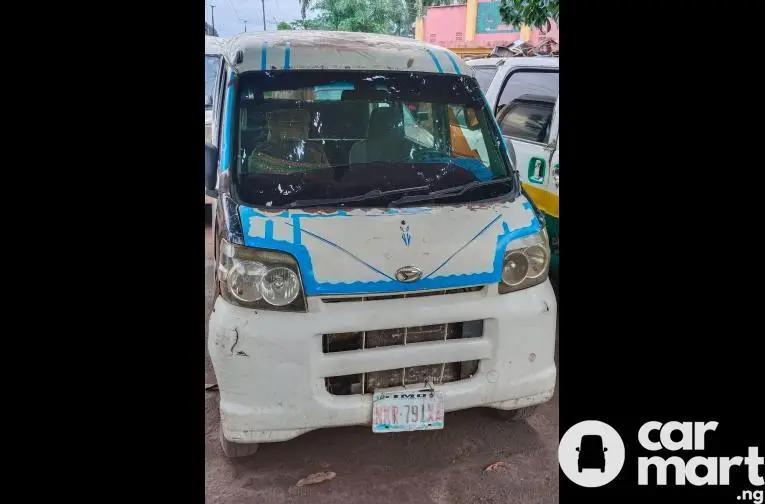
x=451 y=191
x=373 y=194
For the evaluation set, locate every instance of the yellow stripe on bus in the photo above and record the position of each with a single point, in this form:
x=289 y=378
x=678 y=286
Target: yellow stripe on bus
x=545 y=201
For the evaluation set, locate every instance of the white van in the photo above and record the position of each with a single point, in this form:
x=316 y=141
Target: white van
x=368 y=273
x=213 y=65
x=523 y=94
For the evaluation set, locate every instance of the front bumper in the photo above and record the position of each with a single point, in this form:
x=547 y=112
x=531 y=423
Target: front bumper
x=271 y=367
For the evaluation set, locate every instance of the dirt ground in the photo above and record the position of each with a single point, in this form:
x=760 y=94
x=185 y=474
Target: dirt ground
x=440 y=467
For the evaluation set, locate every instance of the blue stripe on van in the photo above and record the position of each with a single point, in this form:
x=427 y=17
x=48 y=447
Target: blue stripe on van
x=454 y=62
x=263 y=52
x=287 y=57
x=228 y=118
x=435 y=60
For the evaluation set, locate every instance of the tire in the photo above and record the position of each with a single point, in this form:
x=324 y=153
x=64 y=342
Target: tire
x=517 y=415
x=236 y=450
x=580 y=468
x=602 y=469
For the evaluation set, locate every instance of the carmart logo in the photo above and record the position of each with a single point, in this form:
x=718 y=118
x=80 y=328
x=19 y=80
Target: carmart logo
x=591 y=453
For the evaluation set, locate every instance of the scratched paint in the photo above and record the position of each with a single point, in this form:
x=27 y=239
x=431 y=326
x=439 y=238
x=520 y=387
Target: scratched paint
x=359 y=251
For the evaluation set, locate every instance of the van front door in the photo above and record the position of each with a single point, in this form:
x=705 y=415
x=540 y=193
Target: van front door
x=527 y=116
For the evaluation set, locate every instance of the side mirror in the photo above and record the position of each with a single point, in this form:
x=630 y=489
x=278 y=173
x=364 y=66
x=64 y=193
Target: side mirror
x=211 y=169
x=605 y=449
x=422 y=116
x=577 y=448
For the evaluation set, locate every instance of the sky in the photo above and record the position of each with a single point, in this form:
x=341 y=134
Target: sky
x=230 y=13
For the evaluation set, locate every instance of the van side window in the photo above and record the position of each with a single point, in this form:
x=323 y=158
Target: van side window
x=527 y=119
x=526 y=82
x=218 y=105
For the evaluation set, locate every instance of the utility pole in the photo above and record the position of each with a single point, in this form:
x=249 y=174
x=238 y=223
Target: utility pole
x=212 y=10
x=263 y=4
x=245 y=25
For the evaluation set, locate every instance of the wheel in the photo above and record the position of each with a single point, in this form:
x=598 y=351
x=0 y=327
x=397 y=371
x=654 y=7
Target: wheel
x=237 y=450
x=517 y=415
x=580 y=468
x=603 y=469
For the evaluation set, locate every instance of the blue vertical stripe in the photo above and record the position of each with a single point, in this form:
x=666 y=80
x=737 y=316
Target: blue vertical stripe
x=454 y=62
x=435 y=60
x=263 y=51
x=228 y=117
x=287 y=57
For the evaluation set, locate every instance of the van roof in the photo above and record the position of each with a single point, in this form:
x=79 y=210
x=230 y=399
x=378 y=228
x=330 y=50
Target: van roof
x=335 y=50
x=214 y=45
x=537 y=61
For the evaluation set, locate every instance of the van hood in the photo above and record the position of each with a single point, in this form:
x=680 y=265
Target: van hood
x=359 y=251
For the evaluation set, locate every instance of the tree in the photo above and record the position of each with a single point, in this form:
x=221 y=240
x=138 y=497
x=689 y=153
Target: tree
x=304 y=6
x=283 y=26
x=209 y=30
x=369 y=16
x=534 y=13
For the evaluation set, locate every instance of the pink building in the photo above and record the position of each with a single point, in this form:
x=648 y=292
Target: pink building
x=474 y=27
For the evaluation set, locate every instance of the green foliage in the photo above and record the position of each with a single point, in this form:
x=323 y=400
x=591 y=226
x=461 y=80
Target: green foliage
x=369 y=16
x=534 y=13
x=283 y=26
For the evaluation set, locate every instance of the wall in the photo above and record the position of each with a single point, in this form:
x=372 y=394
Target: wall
x=445 y=24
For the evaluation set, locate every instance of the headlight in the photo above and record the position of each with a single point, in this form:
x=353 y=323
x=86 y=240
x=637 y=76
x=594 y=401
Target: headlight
x=526 y=264
x=257 y=278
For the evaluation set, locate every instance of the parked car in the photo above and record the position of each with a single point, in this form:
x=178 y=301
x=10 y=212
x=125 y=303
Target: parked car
x=523 y=94
x=368 y=274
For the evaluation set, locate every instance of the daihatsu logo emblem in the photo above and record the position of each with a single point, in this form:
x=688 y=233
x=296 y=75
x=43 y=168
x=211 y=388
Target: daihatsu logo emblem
x=408 y=274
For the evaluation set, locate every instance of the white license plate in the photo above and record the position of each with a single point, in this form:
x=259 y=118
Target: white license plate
x=407 y=411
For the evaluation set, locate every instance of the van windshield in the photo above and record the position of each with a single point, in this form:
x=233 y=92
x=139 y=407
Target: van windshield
x=305 y=135
x=212 y=66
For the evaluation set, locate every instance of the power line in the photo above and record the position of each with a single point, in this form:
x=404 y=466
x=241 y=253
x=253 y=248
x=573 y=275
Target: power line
x=235 y=11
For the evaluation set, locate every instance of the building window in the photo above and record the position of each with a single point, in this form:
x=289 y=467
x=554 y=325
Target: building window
x=459 y=36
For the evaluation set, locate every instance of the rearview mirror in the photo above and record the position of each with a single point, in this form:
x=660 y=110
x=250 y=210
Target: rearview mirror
x=423 y=116
x=211 y=169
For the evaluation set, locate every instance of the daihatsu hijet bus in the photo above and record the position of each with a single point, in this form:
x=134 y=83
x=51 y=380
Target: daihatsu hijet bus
x=370 y=271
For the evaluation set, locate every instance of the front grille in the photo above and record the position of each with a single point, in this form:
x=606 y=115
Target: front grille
x=381 y=297
x=367 y=383
x=436 y=373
